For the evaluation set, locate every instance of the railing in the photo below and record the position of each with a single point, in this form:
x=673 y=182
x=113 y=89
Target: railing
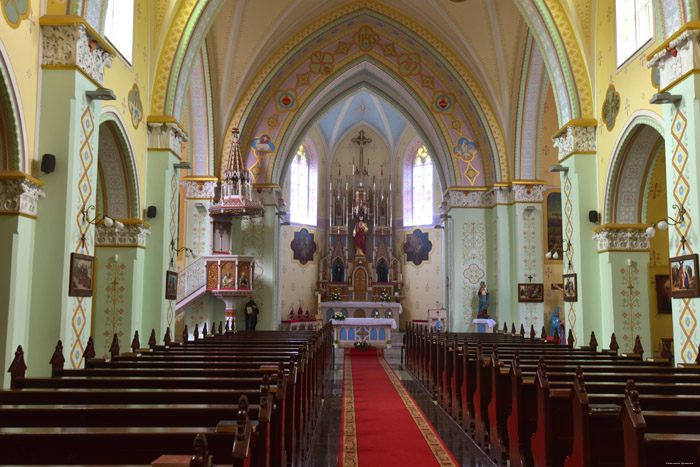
x=191 y=279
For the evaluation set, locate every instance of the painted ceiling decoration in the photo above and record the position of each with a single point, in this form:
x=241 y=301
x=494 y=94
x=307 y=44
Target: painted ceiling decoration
x=460 y=109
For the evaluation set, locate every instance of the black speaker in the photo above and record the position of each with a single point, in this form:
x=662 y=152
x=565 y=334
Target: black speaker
x=48 y=163
x=593 y=216
x=151 y=212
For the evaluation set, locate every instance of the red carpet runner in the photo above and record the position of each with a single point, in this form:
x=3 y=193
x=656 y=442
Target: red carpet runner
x=381 y=423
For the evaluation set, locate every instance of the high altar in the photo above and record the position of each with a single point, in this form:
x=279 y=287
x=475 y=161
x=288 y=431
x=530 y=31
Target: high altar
x=359 y=274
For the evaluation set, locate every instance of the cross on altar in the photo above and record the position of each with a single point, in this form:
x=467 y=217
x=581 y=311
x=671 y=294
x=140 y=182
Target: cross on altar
x=361 y=141
x=363 y=333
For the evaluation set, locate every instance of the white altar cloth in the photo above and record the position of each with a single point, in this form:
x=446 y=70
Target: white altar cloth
x=366 y=322
x=367 y=307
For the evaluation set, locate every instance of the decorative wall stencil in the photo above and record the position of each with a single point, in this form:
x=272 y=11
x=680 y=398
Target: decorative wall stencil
x=286 y=100
x=365 y=38
x=687 y=318
x=409 y=64
x=321 y=62
x=534 y=292
x=174 y=195
x=113 y=165
x=15 y=11
x=135 y=106
x=303 y=246
x=474 y=261
x=262 y=145
x=114 y=312
x=444 y=102
x=569 y=253
x=464 y=150
x=630 y=298
x=417 y=247
x=611 y=107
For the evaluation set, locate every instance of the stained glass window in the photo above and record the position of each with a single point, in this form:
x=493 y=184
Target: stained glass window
x=634 y=23
x=303 y=181
x=119 y=26
x=421 y=193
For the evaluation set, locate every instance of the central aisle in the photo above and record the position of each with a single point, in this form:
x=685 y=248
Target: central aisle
x=381 y=424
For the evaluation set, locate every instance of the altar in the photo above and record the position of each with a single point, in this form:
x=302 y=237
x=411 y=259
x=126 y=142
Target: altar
x=361 y=309
x=375 y=331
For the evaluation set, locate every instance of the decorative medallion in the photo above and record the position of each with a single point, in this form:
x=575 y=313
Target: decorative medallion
x=417 y=247
x=365 y=38
x=321 y=62
x=272 y=122
x=409 y=64
x=286 y=100
x=303 y=79
x=303 y=246
x=263 y=145
x=15 y=11
x=135 y=106
x=465 y=149
x=443 y=102
x=611 y=107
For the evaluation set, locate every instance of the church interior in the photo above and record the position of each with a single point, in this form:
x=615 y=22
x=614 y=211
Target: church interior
x=446 y=196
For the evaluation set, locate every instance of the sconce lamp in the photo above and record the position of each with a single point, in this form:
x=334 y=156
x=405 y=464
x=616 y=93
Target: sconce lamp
x=188 y=251
x=106 y=220
x=554 y=252
x=664 y=223
x=182 y=165
x=665 y=98
x=101 y=94
x=530 y=209
x=558 y=168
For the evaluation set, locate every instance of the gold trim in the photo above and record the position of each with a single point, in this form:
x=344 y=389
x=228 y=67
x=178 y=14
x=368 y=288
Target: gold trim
x=442 y=455
x=74 y=68
x=119 y=246
x=19 y=175
x=621 y=227
x=17 y=213
x=165 y=150
x=265 y=185
x=68 y=20
x=529 y=182
x=349 y=437
x=575 y=122
x=619 y=250
x=681 y=78
x=577 y=153
x=200 y=178
x=468 y=188
x=690 y=25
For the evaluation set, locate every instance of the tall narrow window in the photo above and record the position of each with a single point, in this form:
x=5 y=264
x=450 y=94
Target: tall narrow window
x=422 y=188
x=302 y=189
x=634 y=24
x=119 y=26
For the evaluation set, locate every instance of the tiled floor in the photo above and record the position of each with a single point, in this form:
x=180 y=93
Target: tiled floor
x=327 y=437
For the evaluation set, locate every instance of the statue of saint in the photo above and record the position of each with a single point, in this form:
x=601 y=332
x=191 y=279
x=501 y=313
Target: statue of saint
x=359 y=233
x=243 y=281
x=227 y=280
x=483 y=296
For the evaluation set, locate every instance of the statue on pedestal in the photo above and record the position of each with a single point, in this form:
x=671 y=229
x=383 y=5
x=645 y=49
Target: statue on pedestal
x=359 y=233
x=483 y=296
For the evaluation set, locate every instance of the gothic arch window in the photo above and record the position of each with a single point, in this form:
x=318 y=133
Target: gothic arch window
x=634 y=27
x=303 y=199
x=418 y=188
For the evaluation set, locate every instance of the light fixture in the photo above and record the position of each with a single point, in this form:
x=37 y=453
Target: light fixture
x=438 y=226
x=200 y=207
x=183 y=165
x=665 y=98
x=558 y=168
x=554 y=252
x=106 y=220
x=530 y=209
x=176 y=251
x=101 y=94
x=664 y=223
x=284 y=223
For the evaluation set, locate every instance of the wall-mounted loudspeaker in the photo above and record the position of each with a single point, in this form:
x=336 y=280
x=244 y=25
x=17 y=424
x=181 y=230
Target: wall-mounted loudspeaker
x=593 y=216
x=48 y=163
x=151 y=212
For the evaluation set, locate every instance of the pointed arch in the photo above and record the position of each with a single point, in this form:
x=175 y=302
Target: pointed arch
x=13 y=133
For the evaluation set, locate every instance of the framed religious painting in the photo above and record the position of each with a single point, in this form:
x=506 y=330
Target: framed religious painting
x=531 y=293
x=170 y=285
x=82 y=273
x=570 y=288
x=684 y=276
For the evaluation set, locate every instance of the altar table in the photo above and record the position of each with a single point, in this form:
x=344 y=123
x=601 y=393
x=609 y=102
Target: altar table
x=361 y=309
x=376 y=331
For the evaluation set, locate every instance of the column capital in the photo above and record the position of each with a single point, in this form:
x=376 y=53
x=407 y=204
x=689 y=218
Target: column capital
x=20 y=196
x=575 y=138
x=132 y=235
x=469 y=199
x=680 y=56
x=72 y=45
x=199 y=189
x=615 y=239
x=267 y=194
x=166 y=136
x=529 y=193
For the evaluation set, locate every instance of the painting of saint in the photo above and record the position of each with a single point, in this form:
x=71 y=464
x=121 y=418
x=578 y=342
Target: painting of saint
x=303 y=246
x=417 y=247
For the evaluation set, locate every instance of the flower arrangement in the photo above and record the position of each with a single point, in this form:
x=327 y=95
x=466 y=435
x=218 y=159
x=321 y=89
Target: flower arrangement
x=384 y=296
x=338 y=316
x=335 y=296
x=363 y=345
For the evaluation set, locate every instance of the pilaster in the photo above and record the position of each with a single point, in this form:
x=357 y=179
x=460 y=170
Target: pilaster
x=679 y=76
x=119 y=288
x=19 y=196
x=624 y=264
x=503 y=303
x=577 y=155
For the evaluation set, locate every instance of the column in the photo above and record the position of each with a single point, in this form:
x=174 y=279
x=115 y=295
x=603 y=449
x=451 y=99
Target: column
x=73 y=64
x=20 y=194
x=503 y=304
x=119 y=287
x=579 y=182
x=528 y=250
x=164 y=148
x=678 y=61
x=624 y=265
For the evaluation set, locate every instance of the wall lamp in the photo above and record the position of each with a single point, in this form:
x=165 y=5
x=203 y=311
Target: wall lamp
x=664 y=223
x=188 y=251
x=106 y=220
x=554 y=252
x=558 y=168
x=530 y=209
x=665 y=98
x=183 y=165
x=101 y=94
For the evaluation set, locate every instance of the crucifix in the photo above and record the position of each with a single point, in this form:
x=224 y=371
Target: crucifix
x=361 y=141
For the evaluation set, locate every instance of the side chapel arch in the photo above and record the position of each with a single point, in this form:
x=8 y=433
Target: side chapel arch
x=13 y=133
